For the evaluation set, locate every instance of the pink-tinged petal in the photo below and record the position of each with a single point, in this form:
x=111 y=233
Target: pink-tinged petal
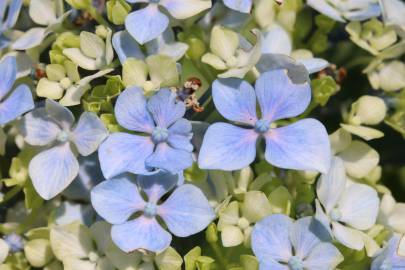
x=235 y=99
x=187 y=211
x=270 y=238
x=141 y=233
x=131 y=112
x=168 y=158
x=89 y=133
x=279 y=97
x=303 y=145
x=117 y=199
x=227 y=147
x=8 y=74
x=165 y=108
x=122 y=152
x=51 y=171
x=19 y=102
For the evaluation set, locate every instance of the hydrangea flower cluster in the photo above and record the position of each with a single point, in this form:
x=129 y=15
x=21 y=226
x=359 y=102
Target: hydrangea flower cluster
x=202 y=134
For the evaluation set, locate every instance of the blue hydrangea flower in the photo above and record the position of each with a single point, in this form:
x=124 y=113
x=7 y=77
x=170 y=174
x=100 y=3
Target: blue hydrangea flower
x=13 y=10
x=12 y=103
x=185 y=212
x=303 y=145
x=14 y=241
x=243 y=6
x=149 y=22
x=53 y=169
x=388 y=258
x=166 y=143
x=279 y=243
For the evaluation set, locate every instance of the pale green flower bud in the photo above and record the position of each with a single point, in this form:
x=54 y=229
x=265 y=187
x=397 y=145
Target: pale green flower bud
x=117 y=11
x=80 y=4
x=369 y=110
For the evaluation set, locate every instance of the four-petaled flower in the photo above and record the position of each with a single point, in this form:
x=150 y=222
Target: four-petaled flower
x=185 y=212
x=148 y=23
x=303 y=145
x=345 y=209
x=52 y=170
x=279 y=243
x=12 y=103
x=166 y=144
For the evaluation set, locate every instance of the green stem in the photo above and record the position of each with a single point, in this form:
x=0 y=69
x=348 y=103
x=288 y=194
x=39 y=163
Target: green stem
x=218 y=254
x=11 y=193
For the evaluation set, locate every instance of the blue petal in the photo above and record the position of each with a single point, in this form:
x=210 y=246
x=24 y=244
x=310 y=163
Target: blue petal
x=165 y=109
x=60 y=114
x=89 y=133
x=19 y=102
x=270 y=238
x=180 y=135
x=227 y=147
x=158 y=184
x=170 y=159
x=243 y=6
x=30 y=39
x=303 y=145
x=125 y=46
x=53 y=170
x=235 y=99
x=131 y=112
x=273 y=265
x=141 y=233
x=146 y=24
x=280 y=98
x=187 y=211
x=8 y=73
x=38 y=128
x=123 y=152
x=13 y=12
x=117 y=199
x=323 y=256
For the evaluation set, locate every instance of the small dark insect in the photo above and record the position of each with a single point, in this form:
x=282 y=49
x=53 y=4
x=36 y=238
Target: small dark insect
x=187 y=94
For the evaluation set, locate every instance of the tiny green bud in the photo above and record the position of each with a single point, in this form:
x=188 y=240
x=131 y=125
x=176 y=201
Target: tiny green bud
x=196 y=48
x=101 y=31
x=211 y=233
x=369 y=110
x=80 y=4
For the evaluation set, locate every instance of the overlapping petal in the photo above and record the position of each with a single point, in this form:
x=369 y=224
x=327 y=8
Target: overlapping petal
x=187 y=211
x=142 y=232
x=183 y=9
x=323 y=256
x=235 y=99
x=227 y=147
x=51 y=171
x=239 y=5
x=117 y=199
x=303 y=145
x=168 y=158
x=126 y=46
x=19 y=102
x=165 y=108
x=158 y=184
x=348 y=237
x=60 y=114
x=279 y=97
x=8 y=73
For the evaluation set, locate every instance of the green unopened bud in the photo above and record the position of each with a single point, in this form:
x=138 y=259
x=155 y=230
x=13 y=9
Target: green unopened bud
x=369 y=110
x=117 y=11
x=80 y=4
x=66 y=83
x=196 y=48
x=101 y=31
x=211 y=233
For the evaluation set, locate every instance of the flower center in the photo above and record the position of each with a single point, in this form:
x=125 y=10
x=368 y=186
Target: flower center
x=262 y=126
x=335 y=214
x=150 y=210
x=295 y=263
x=63 y=136
x=93 y=256
x=160 y=135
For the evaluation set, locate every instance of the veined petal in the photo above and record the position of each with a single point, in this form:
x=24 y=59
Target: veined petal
x=321 y=216
x=303 y=145
x=126 y=46
x=19 y=102
x=348 y=237
x=227 y=147
x=168 y=158
x=158 y=184
x=117 y=199
x=330 y=186
x=181 y=127
x=277 y=40
x=89 y=133
x=131 y=112
x=323 y=256
x=187 y=211
x=38 y=128
x=323 y=7
x=30 y=39
x=180 y=142
x=235 y=99
x=146 y=24
x=279 y=97
x=243 y=6
x=359 y=206
x=314 y=64
x=8 y=74
x=60 y=114
x=143 y=232
x=13 y=12
x=165 y=108
x=123 y=152
x=51 y=171
x=270 y=238
x=183 y=9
